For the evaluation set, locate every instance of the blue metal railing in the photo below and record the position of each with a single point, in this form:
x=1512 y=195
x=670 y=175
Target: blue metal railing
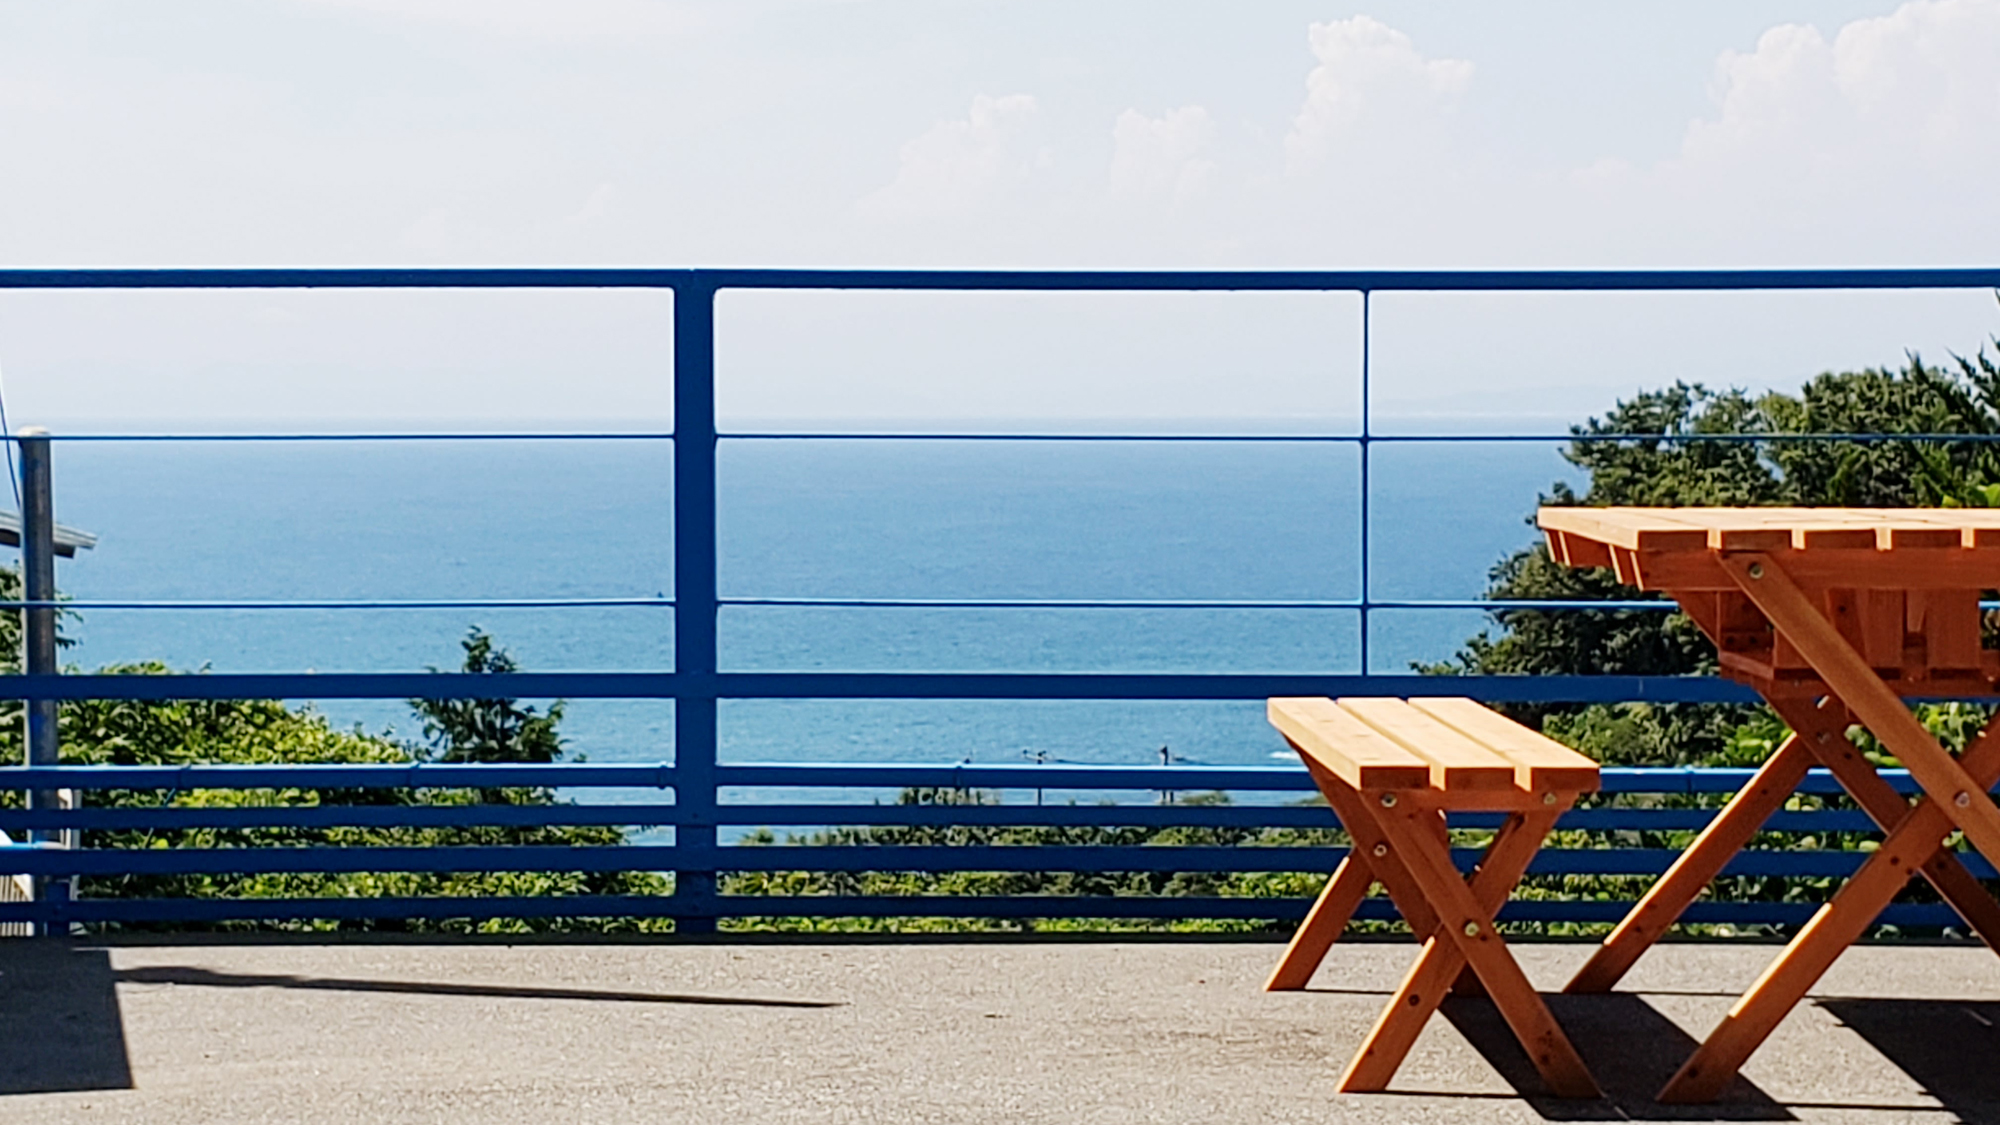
x=685 y=905
x=697 y=682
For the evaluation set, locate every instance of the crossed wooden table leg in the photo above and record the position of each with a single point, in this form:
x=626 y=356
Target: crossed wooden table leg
x=1955 y=798
x=1819 y=738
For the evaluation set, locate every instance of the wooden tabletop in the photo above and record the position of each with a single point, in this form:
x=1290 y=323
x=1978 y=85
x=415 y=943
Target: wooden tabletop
x=1880 y=548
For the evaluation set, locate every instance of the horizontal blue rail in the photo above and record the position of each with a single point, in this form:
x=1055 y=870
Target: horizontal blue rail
x=868 y=685
x=1091 y=858
x=1674 y=780
x=1350 y=604
x=686 y=907
x=345 y=603
x=1068 y=281
x=820 y=816
x=1473 y=438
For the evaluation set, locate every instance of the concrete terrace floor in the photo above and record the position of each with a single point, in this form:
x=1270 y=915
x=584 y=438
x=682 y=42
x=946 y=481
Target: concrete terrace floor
x=924 y=1031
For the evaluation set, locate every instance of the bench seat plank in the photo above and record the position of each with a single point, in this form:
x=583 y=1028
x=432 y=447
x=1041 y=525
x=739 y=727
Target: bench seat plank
x=1541 y=763
x=1458 y=763
x=1345 y=746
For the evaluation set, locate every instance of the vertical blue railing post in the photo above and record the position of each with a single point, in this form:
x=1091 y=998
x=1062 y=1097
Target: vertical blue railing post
x=695 y=596
x=1367 y=438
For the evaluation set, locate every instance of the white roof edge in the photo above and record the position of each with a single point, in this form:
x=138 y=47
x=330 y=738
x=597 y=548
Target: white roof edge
x=10 y=522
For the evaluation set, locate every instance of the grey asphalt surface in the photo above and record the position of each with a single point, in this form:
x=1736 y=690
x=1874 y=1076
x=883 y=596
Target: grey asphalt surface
x=931 y=1032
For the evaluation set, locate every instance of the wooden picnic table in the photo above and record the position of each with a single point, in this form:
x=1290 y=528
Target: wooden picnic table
x=1836 y=616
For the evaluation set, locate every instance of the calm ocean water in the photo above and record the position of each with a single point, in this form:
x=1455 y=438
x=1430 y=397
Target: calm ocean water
x=927 y=519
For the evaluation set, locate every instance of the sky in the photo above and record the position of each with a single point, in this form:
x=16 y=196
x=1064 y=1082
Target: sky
x=953 y=133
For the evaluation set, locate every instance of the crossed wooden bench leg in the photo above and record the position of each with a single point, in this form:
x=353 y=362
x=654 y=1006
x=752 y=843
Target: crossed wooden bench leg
x=1350 y=884
x=1416 y=869
x=1329 y=915
x=1441 y=963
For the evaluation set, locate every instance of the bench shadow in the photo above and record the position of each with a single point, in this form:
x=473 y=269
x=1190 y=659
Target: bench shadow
x=209 y=978
x=1950 y=1047
x=59 y=1005
x=1629 y=1046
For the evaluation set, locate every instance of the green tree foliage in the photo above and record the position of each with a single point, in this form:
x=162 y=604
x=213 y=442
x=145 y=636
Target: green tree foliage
x=1659 y=459
x=1161 y=884
x=1665 y=463
x=488 y=730
x=267 y=732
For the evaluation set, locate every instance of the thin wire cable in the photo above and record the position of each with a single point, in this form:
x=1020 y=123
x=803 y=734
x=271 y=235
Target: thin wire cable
x=276 y=437
x=1375 y=438
x=352 y=603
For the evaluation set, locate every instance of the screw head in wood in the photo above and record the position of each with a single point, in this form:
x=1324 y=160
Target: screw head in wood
x=1379 y=850
x=1472 y=929
x=1963 y=800
x=1756 y=570
x=1388 y=800
x=1548 y=798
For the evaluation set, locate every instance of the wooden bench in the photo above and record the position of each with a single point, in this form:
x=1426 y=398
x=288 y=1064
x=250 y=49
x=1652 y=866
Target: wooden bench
x=1391 y=769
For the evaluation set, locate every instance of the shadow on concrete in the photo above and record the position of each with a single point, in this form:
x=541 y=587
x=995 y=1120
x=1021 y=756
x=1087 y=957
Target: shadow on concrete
x=1950 y=1047
x=208 y=978
x=1629 y=1046
x=59 y=1005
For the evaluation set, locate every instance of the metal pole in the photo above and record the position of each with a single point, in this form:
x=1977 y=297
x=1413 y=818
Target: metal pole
x=38 y=632
x=695 y=599
x=1366 y=441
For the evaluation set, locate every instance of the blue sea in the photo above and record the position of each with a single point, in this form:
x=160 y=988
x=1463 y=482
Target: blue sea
x=450 y=519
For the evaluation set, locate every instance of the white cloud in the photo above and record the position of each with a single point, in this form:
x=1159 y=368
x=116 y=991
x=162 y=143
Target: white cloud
x=1880 y=139
x=1921 y=82
x=1159 y=159
x=1372 y=85
x=966 y=165
x=1932 y=65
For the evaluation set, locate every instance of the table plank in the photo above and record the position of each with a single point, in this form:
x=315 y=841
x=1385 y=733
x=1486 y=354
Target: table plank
x=1633 y=528
x=1772 y=528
